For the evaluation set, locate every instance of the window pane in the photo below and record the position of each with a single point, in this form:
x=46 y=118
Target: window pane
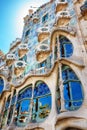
x=41 y=89
x=1 y=85
x=68 y=50
x=66 y=47
x=24 y=106
x=66 y=92
x=76 y=91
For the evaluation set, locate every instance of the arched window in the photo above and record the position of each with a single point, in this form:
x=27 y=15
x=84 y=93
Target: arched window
x=66 y=47
x=1 y=85
x=33 y=105
x=42 y=102
x=73 y=93
x=22 y=112
x=11 y=107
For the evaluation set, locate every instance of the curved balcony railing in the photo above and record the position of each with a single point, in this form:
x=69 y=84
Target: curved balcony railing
x=61 y=5
x=19 y=67
x=42 y=47
x=10 y=57
x=14 y=43
x=43 y=33
x=63 y=18
x=20 y=64
x=22 y=49
x=35 y=18
x=42 y=52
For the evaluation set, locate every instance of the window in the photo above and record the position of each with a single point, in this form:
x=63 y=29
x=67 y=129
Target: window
x=42 y=102
x=27 y=33
x=66 y=47
x=1 y=85
x=45 y=18
x=33 y=105
x=23 y=106
x=73 y=94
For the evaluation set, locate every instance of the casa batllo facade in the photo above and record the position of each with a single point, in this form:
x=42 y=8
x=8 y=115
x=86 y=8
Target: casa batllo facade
x=43 y=77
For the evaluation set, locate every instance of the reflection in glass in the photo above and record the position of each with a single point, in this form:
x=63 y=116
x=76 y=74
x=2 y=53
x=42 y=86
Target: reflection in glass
x=42 y=102
x=73 y=93
x=66 y=47
x=1 y=85
x=22 y=112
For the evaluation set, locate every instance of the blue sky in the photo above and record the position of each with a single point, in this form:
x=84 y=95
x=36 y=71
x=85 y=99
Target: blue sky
x=11 y=19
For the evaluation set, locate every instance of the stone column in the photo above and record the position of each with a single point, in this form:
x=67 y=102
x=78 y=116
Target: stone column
x=53 y=57
x=60 y=77
x=61 y=88
x=12 y=120
x=3 y=107
x=31 y=105
x=8 y=110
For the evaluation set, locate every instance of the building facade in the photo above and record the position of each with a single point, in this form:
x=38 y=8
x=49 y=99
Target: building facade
x=43 y=76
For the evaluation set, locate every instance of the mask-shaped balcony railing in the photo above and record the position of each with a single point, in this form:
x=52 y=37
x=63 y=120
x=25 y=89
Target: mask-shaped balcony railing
x=43 y=33
x=42 y=52
x=35 y=18
x=22 y=49
x=84 y=10
x=63 y=18
x=15 y=43
x=19 y=67
x=10 y=58
x=61 y=5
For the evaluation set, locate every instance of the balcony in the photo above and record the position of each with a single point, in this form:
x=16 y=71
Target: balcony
x=15 y=43
x=19 y=67
x=83 y=9
x=43 y=33
x=61 y=5
x=10 y=58
x=63 y=18
x=22 y=49
x=42 y=52
x=35 y=18
x=39 y=71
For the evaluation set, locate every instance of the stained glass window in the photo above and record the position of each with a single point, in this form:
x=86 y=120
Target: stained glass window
x=1 y=85
x=66 y=47
x=22 y=112
x=42 y=102
x=73 y=93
